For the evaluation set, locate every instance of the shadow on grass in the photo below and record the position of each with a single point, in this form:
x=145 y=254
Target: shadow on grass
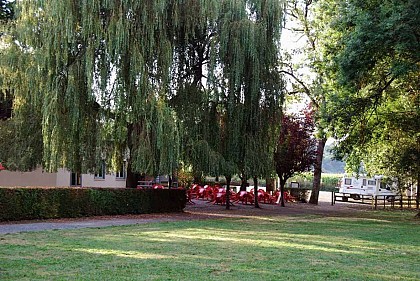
x=308 y=247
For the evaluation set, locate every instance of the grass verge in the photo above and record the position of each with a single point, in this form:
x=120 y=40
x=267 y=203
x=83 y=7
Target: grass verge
x=382 y=246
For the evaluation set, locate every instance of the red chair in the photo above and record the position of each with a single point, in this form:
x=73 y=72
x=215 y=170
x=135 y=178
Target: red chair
x=245 y=197
x=220 y=198
x=194 y=190
x=200 y=192
x=189 y=196
x=233 y=196
x=288 y=197
x=265 y=197
x=208 y=192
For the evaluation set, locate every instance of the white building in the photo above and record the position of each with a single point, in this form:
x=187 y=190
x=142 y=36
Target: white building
x=62 y=178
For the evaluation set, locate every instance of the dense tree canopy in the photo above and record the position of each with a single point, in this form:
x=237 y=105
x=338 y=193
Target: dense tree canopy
x=364 y=56
x=304 y=67
x=148 y=81
x=164 y=83
x=6 y=10
x=296 y=148
x=377 y=72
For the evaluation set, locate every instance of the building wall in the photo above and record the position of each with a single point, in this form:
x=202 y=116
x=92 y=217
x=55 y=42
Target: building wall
x=88 y=180
x=34 y=178
x=61 y=178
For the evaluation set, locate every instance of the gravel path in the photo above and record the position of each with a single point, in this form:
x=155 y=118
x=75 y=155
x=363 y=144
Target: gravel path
x=88 y=222
x=200 y=210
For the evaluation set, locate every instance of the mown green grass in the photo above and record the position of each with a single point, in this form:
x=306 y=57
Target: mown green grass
x=381 y=246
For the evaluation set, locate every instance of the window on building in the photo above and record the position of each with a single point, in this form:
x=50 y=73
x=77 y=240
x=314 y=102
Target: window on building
x=347 y=181
x=122 y=171
x=75 y=179
x=371 y=182
x=100 y=171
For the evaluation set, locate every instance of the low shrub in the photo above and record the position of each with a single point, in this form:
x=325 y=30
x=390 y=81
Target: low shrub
x=20 y=203
x=328 y=181
x=301 y=195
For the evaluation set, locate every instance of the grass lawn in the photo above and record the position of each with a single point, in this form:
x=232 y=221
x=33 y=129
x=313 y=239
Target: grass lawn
x=380 y=246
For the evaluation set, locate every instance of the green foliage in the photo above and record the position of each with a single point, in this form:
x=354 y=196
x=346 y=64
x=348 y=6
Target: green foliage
x=6 y=10
x=329 y=182
x=44 y=203
x=376 y=55
x=150 y=82
x=235 y=111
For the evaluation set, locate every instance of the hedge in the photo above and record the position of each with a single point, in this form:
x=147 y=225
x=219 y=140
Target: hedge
x=26 y=203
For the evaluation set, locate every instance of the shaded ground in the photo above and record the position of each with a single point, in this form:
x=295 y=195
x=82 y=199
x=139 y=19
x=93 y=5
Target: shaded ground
x=200 y=210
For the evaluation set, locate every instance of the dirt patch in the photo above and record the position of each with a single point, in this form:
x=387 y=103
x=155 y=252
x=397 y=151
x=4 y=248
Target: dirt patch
x=202 y=209
x=205 y=209
x=199 y=210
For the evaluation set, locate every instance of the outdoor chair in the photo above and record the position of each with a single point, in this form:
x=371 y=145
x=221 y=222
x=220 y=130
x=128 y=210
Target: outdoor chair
x=288 y=197
x=208 y=192
x=245 y=197
x=194 y=190
x=201 y=192
x=220 y=198
x=189 y=193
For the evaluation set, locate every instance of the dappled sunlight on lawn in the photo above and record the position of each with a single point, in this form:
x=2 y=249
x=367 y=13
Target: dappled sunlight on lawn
x=123 y=254
x=293 y=242
x=261 y=234
x=257 y=239
x=308 y=247
x=397 y=275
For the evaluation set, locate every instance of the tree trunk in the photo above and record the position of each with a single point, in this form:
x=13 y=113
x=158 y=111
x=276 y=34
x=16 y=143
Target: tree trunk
x=256 y=204
x=269 y=186
x=281 y=197
x=132 y=178
x=244 y=183
x=197 y=178
x=317 y=171
x=228 y=179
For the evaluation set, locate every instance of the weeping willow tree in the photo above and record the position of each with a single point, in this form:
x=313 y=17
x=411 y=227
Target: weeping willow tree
x=20 y=137
x=248 y=49
x=98 y=79
x=227 y=89
x=147 y=81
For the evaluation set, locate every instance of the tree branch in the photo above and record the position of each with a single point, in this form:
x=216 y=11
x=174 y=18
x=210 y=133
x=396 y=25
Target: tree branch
x=306 y=90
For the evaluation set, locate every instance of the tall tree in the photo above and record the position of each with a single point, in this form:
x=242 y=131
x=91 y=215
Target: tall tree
x=251 y=81
x=307 y=77
x=6 y=97
x=377 y=67
x=20 y=138
x=296 y=148
x=110 y=77
x=236 y=56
